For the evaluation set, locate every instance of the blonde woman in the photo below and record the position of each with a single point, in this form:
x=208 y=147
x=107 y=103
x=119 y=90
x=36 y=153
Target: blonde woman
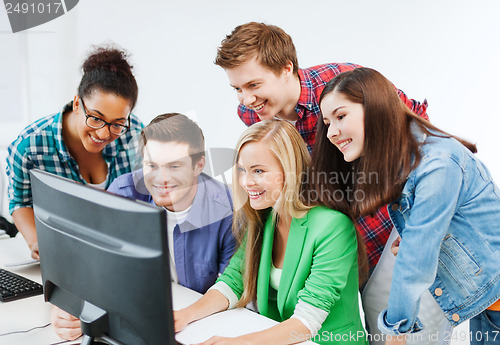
x=296 y=262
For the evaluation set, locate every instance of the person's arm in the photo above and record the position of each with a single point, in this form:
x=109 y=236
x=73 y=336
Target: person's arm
x=290 y=331
x=212 y=302
x=416 y=265
x=24 y=218
x=227 y=243
x=247 y=115
x=334 y=255
x=65 y=325
x=418 y=108
x=18 y=167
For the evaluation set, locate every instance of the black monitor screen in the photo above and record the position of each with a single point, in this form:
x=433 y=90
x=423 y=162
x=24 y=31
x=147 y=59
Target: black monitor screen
x=104 y=259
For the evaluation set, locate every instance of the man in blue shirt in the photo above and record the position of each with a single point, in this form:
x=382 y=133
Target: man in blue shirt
x=199 y=208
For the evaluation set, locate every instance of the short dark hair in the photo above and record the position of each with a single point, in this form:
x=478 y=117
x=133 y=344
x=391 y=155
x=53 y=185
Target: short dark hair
x=174 y=127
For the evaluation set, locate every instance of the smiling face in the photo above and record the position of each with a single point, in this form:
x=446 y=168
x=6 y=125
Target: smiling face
x=260 y=174
x=345 y=122
x=262 y=90
x=101 y=105
x=169 y=174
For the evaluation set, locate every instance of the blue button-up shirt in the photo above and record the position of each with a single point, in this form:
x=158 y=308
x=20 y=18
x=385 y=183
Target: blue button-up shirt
x=203 y=243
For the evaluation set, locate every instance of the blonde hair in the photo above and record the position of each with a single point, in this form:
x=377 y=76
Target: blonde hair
x=291 y=151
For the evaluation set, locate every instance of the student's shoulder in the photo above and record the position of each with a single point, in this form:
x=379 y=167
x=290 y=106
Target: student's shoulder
x=325 y=225
x=39 y=135
x=325 y=217
x=124 y=181
x=216 y=190
x=325 y=72
x=136 y=124
x=439 y=147
x=130 y=185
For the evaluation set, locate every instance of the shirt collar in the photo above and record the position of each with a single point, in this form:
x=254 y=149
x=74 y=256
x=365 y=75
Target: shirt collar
x=58 y=135
x=140 y=186
x=206 y=209
x=418 y=133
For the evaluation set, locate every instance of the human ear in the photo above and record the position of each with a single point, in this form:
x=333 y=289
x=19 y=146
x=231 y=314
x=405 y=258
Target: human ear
x=288 y=69
x=199 y=166
x=76 y=103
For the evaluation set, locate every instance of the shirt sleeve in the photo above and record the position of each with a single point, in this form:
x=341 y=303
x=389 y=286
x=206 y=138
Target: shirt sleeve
x=233 y=274
x=114 y=187
x=310 y=316
x=416 y=265
x=18 y=167
x=247 y=115
x=225 y=290
x=334 y=257
x=418 y=108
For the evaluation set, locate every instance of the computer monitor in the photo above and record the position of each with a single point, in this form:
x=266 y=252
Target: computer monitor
x=104 y=259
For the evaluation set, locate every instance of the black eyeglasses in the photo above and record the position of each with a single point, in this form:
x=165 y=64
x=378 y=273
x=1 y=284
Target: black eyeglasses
x=95 y=122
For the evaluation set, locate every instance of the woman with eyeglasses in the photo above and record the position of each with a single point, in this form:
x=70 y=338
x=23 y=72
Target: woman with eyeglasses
x=90 y=141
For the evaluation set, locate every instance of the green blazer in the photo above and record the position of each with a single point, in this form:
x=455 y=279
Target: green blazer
x=320 y=268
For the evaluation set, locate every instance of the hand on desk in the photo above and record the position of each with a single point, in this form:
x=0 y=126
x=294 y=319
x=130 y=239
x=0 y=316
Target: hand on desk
x=65 y=325
x=34 y=251
x=225 y=341
x=210 y=303
x=181 y=320
x=24 y=219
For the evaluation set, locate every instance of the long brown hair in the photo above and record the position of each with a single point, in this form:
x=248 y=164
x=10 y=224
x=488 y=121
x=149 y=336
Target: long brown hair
x=390 y=149
x=248 y=224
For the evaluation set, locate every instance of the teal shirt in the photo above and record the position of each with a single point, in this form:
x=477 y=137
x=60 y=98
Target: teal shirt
x=320 y=268
x=41 y=145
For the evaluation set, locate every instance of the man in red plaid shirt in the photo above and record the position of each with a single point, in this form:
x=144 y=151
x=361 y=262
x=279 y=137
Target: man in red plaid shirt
x=261 y=63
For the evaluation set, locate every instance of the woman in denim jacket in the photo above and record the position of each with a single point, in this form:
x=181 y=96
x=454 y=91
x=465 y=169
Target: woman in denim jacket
x=441 y=199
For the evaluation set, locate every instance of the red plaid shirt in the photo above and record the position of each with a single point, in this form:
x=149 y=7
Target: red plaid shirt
x=374 y=230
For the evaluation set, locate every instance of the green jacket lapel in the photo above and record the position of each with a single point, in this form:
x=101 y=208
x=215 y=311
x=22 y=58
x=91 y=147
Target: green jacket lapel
x=265 y=267
x=293 y=253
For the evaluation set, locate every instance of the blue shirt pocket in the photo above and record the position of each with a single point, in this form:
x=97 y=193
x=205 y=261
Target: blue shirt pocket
x=458 y=268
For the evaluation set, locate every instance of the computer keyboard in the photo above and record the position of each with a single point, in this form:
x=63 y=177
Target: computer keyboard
x=13 y=286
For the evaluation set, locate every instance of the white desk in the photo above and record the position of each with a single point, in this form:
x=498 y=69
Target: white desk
x=24 y=314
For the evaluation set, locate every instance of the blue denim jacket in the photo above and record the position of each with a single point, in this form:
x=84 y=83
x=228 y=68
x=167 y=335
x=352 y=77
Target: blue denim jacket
x=204 y=242
x=448 y=217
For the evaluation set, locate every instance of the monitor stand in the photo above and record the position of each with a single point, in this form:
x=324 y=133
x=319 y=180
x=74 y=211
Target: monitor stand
x=91 y=341
x=94 y=324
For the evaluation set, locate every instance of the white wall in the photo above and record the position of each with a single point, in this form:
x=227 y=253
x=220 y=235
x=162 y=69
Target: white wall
x=445 y=51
